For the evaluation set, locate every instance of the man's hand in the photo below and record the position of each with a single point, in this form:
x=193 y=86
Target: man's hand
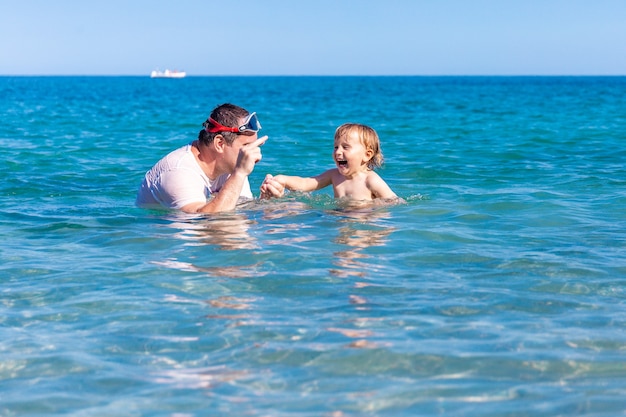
x=250 y=154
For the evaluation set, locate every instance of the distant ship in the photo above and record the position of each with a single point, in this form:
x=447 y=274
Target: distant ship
x=168 y=74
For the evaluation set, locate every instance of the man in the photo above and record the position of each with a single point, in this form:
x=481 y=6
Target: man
x=215 y=165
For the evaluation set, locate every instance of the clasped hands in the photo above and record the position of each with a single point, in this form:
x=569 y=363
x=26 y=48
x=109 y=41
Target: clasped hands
x=271 y=188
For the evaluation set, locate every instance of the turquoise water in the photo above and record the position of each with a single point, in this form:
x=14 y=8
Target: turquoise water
x=497 y=289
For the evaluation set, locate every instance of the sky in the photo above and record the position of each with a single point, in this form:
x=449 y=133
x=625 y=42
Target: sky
x=313 y=37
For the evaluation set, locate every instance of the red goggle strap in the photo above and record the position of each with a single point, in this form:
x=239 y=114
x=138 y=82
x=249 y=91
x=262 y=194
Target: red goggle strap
x=220 y=128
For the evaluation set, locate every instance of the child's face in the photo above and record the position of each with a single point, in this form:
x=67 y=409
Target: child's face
x=350 y=154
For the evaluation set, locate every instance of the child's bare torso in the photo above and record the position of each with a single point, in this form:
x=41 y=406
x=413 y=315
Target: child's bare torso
x=355 y=188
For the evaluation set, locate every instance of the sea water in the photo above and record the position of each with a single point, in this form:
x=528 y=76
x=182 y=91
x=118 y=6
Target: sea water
x=497 y=288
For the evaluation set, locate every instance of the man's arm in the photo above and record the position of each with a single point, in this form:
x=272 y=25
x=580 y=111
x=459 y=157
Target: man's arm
x=228 y=196
x=225 y=200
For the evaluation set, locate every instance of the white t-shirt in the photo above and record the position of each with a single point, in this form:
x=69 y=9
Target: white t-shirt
x=177 y=180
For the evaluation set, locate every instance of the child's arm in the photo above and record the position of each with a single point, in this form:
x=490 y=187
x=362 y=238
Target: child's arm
x=379 y=187
x=295 y=183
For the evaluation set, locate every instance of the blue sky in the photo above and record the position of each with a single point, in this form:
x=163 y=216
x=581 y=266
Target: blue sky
x=320 y=37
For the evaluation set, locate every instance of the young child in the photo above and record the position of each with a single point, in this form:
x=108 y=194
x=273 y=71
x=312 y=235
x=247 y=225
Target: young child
x=357 y=153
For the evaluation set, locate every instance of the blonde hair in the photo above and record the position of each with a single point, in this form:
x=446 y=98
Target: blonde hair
x=369 y=139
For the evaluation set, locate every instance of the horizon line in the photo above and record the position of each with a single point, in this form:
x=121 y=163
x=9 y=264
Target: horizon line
x=320 y=75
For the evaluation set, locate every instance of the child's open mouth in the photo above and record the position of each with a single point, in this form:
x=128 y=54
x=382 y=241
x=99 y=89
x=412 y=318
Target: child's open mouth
x=342 y=163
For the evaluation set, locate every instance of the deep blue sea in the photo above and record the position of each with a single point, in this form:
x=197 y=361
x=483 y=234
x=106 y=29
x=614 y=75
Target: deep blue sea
x=497 y=289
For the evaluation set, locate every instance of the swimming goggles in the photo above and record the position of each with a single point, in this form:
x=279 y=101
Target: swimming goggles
x=251 y=124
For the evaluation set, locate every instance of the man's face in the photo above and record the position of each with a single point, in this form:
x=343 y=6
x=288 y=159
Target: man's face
x=242 y=139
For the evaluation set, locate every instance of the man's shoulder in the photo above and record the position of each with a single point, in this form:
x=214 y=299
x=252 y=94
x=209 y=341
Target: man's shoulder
x=178 y=158
x=180 y=152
